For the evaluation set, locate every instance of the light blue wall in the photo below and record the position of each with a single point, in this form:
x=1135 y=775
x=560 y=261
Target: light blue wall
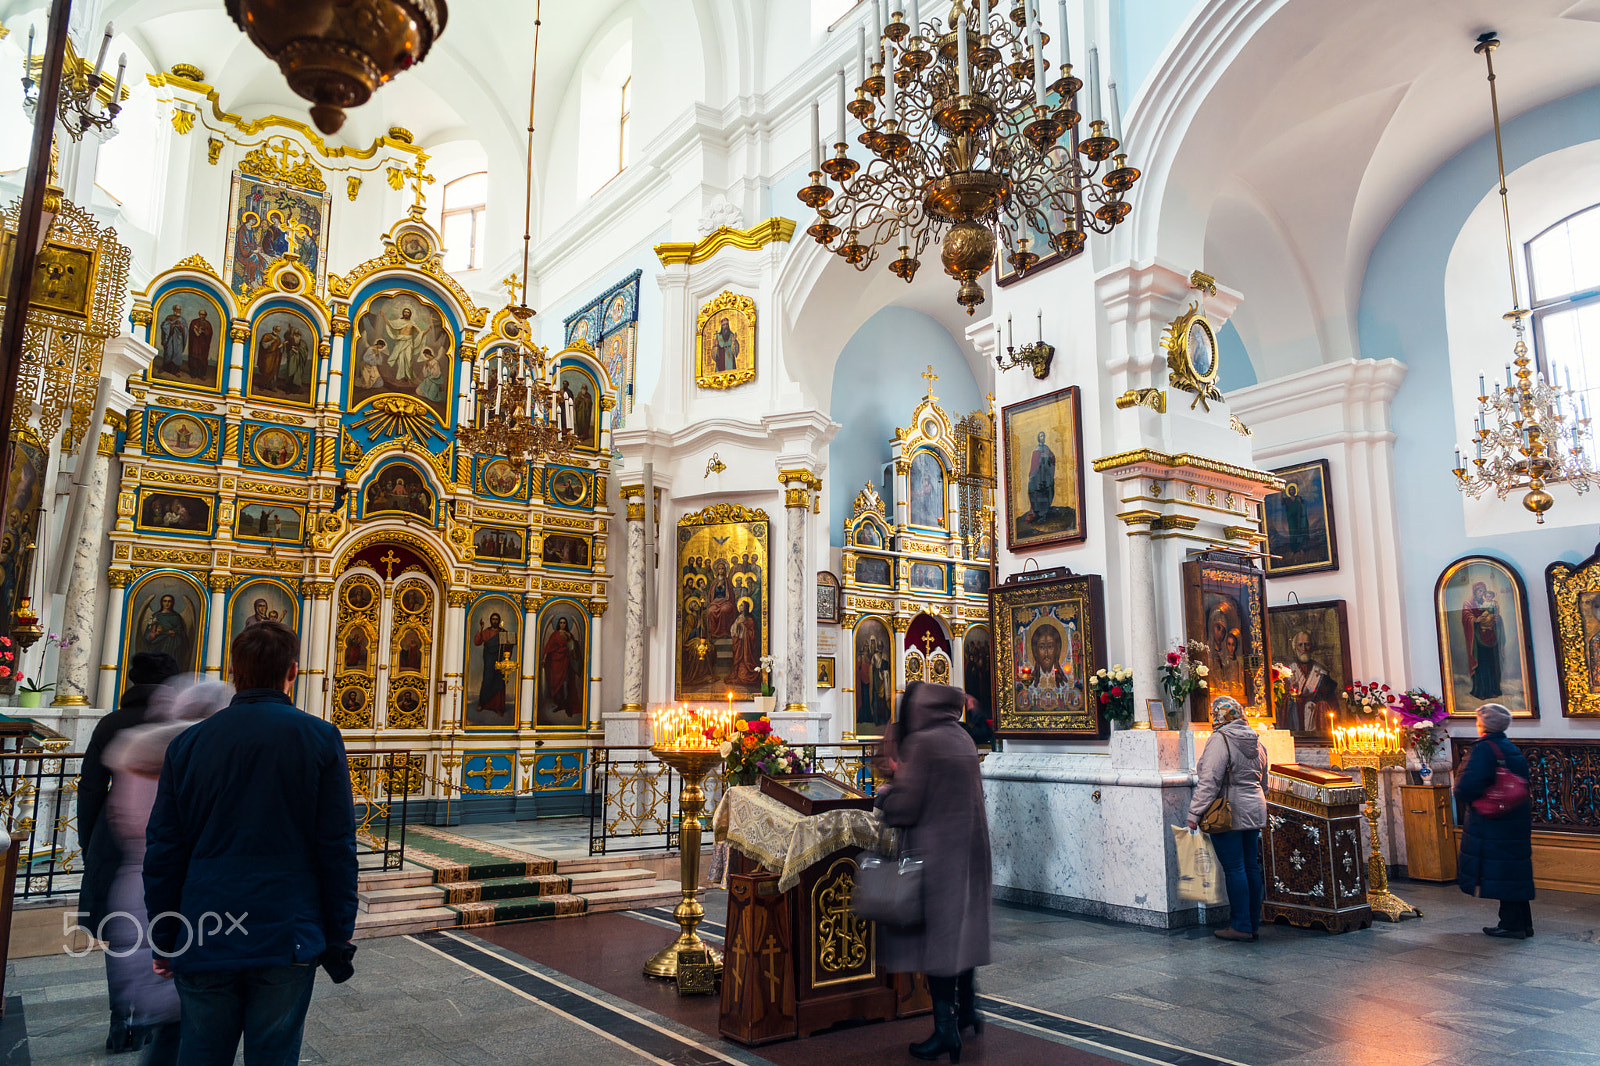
x=1402 y=316
x=1141 y=32
x=1237 y=369
x=876 y=385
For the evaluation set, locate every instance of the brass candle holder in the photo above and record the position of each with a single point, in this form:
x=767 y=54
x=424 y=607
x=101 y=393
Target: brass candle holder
x=692 y=764
x=1373 y=748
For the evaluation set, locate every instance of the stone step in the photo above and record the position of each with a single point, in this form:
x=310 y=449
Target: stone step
x=590 y=882
x=387 y=879
x=411 y=897
x=399 y=923
x=656 y=894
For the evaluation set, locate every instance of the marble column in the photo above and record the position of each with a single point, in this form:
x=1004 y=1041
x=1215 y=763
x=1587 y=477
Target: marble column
x=455 y=649
x=239 y=334
x=1143 y=645
x=77 y=619
x=111 y=645
x=217 y=621
x=530 y=660
x=633 y=621
x=316 y=654
x=796 y=502
x=597 y=610
x=307 y=681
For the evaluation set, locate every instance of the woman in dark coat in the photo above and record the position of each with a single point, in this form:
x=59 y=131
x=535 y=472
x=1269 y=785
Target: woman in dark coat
x=1497 y=853
x=936 y=800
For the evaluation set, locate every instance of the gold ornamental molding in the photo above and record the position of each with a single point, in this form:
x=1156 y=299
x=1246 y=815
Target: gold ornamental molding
x=1184 y=459
x=1154 y=399
x=723 y=512
x=1245 y=533
x=753 y=239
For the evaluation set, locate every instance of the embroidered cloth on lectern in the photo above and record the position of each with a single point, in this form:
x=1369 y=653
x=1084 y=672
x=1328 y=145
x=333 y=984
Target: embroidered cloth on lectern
x=788 y=842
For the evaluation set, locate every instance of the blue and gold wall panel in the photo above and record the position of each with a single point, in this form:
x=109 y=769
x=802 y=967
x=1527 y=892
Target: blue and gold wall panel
x=280 y=449
x=181 y=435
x=490 y=771
x=569 y=487
x=559 y=770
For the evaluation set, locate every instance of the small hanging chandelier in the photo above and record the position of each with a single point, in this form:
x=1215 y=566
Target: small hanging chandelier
x=1531 y=433
x=967 y=146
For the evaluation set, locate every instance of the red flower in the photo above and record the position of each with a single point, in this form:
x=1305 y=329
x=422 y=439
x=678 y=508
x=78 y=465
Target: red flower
x=1172 y=657
x=762 y=727
x=708 y=734
x=5 y=671
x=1104 y=698
x=1117 y=692
x=1386 y=688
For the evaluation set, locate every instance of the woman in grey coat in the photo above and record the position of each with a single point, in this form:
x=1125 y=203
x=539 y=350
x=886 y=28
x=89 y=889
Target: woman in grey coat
x=936 y=800
x=1239 y=764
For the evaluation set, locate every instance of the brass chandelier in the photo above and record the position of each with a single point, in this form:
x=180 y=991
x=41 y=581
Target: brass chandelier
x=1531 y=433
x=967 y=152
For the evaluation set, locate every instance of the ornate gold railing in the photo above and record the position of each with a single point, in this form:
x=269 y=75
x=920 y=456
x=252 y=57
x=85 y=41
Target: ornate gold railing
x=39 y=808
x=381 y=784
x=635 y=796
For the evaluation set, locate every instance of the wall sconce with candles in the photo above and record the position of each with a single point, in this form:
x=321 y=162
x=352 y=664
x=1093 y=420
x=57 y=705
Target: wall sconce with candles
x=1036 y=356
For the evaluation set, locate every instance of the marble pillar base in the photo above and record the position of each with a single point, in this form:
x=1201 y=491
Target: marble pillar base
x=75 y=723
x=1090 y=833
x=1183 y=919
x=626 y=729
x=801 y=727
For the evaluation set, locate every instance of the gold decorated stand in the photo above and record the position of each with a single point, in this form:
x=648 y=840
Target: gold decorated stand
x=1372 y=756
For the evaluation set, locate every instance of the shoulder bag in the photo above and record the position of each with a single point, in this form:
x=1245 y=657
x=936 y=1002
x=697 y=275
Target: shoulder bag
x=1507 y=791
x=888 y=890
x=1218 y=816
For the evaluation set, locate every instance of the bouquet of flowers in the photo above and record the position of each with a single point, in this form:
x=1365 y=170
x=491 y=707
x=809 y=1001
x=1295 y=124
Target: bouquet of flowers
x=8 y=656
x=1183 y=672
x=1371 y=698
x=1280 y=683
x=766 y=663
x=1113 y=690
x=1424 y=715
x=755 y=749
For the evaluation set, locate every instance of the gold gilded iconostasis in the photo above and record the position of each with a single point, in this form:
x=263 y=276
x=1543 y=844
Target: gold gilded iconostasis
x=290 y=454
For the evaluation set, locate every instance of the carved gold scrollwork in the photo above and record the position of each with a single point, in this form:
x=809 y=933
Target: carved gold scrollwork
x=843 y=949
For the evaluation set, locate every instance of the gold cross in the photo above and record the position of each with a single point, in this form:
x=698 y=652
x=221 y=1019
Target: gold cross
x=398 y=176
x=486 y=774
x=991 y=401
x=771 y=952
x=285 y=151
x=927 y=642
x=733 y=968
x=390 y=559
x=511 y=282
x=930 y=377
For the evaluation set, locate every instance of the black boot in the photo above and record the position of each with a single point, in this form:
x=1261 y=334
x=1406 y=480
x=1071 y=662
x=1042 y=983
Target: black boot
x=946 y=1037
x=120 y=1038
x=967 y=1016
x=163 y=1047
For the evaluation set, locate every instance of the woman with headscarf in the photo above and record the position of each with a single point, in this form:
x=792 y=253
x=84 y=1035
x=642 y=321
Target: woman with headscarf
x=936 y=800
x=1497 y=852
x=1236 y=768
x=135 y=757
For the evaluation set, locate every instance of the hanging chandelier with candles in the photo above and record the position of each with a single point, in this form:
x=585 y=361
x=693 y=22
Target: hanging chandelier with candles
x=966 y=135
x=1531 y=433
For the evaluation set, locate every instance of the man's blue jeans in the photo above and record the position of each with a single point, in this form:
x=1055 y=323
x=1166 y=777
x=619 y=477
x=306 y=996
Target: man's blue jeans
x=266 y=1006
x=1239 y=852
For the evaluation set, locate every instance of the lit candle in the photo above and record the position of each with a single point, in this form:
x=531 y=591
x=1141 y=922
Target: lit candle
x=100 y=60
x=963 y=85
x=861 y=54
x=840 y=116
x=1066 y=58
x=1116 y=114
x=1094 y=84
x=816 y=140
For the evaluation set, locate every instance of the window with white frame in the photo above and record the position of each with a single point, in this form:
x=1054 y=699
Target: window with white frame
x=622 y=127
x=1564 y=292
x=461 y=221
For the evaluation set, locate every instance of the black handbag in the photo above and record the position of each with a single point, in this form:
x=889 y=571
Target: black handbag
x=888 y=890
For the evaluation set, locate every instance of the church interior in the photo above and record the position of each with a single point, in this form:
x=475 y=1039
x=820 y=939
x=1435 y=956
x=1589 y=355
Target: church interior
x=595 y=383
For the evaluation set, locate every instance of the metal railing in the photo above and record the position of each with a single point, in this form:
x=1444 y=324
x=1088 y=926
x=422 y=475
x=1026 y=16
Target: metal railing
x=635 y=805
x=39 y=807
x=381 y=783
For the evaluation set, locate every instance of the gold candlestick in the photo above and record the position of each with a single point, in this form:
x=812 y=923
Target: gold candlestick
x=693 y=764
x=1383 y=902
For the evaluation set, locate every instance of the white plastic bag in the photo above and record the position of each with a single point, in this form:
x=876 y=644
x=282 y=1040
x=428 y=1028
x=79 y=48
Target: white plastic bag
x=1199 y=873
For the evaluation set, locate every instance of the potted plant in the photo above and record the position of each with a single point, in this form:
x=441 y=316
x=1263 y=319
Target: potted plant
x=1182 y=674
x=765 y=701
x=755 y=750
x=31 y=693
x=1113 y=690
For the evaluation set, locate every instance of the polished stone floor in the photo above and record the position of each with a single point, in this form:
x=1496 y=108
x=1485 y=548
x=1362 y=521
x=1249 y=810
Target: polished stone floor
x=1434 y=992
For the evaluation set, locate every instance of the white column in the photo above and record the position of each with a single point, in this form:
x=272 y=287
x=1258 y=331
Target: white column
x=240 y=336
x=316 y=652
x=217 y=621
x=597 y=611
x=633 y=622
x=530 y=660
x=455 y=647
x=338 y=352
x=796 y=502
x=111 y=646
x=308 y=681
x=77 y=619
x=1143 y=645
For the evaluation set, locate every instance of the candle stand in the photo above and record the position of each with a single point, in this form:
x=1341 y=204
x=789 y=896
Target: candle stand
x=692 y=764
x=1383 y=902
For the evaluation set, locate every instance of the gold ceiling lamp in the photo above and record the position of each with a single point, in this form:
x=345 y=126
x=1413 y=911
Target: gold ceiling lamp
x=336 y=53
x=517 y=407
x=967 y=147
x=1530 y=433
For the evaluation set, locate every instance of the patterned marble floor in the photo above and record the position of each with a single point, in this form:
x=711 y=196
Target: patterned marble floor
x=556 y=838
x=1434 y=992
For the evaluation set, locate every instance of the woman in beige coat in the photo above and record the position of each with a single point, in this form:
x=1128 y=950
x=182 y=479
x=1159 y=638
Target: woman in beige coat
x=1239 y=764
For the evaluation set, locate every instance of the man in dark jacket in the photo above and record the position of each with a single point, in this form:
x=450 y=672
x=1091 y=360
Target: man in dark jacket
x=250 y=872
x=146 y=671
x=1497 y=853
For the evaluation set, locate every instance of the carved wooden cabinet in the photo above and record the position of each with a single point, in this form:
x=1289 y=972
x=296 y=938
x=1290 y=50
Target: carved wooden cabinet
x=1311 y=851
x=1430 y=844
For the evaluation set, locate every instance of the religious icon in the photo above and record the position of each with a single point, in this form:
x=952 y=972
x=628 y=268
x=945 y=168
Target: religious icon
x=723 y=602
x=1050 y=639
x=413 y=246
x=827 y=597
x=281 y=523
x=406 y=701
x=929 y=576
x=166 y=615
x=278 y=449
x=576 y=408
x=1313 y=641
x=189 y=336
x=172 y=512
x=568 y=488
x=726 y=353
x=283 y=356
x=400 y=488
x=358 y=595
x=873 y=570
x=1225 y=610
x=1485 y=647
x=403 y=343
x=63 y=280
x=616 y=310
x=980 y=456
x=975 y=581
x=408 y=653
x=874 y=677
x=352 y=700
x=561 y=549
x=927 y=495
x=497 y=544
x=579 y=331
x=1575 y=621
x=260 y=601
x=413 y=599
x=562 y=666
x=183 y=436
x=494 y=624
x=869 y=534
x=1299 y=522
x=1044 y=470
x=356 y=656
x=824 y=671
x=977 y=670
x=502 y=477
x=267 y=221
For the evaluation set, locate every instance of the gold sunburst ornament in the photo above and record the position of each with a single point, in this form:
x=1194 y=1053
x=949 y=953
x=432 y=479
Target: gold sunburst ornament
x=1193 y=364
x=400 y=416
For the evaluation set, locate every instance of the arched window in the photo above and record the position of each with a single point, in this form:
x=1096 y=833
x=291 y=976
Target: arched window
x=622 y=127
x=1564 y=292
x=461 y=221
